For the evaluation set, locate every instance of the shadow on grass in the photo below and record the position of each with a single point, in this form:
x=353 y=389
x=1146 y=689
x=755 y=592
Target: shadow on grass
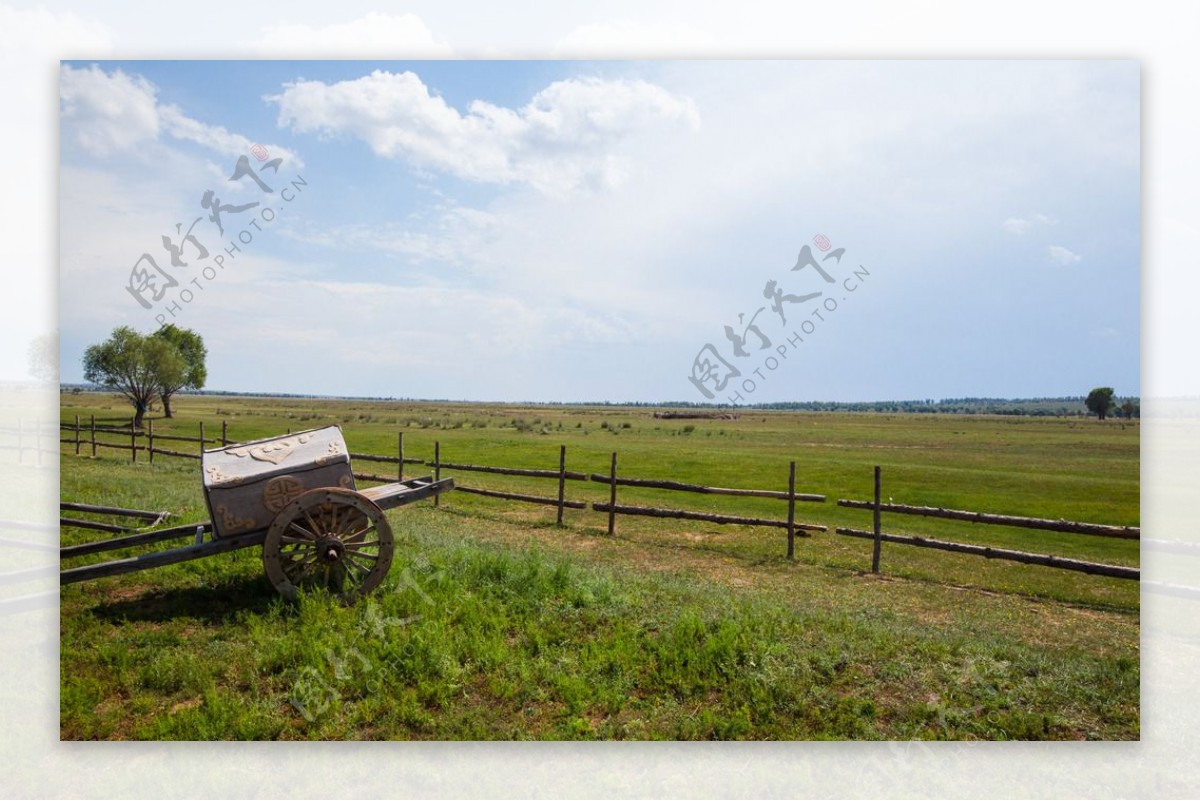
x=217 y=603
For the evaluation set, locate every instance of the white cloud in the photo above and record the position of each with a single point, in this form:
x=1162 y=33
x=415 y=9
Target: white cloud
x=375 y=35
x=1021 y=225
x=627 y=39
x=115 y=112
x=567 y=137
x=108 y=113
x=63 y=33
x=1016 y=225
x=1062 y=256
x=455 y=235
x=216 y=137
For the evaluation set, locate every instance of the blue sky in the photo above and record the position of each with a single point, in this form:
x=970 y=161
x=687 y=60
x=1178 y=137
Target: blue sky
x=582 y=230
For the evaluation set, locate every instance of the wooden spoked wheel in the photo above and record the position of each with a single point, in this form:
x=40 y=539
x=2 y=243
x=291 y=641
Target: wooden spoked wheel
x=332 y=538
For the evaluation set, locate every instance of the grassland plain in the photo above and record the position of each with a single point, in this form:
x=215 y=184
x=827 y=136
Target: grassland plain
x=495 y=623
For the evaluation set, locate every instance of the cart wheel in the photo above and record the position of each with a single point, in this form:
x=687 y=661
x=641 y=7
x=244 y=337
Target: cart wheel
x=333 y=538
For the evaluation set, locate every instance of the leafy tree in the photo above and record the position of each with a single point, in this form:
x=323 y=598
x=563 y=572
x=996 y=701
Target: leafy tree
x=43 y=358
x=134 y=365
x=1099 y=401
x=191 y=349
x=1130 y=409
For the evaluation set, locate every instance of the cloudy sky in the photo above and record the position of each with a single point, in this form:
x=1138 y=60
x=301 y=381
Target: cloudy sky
x=611 y=230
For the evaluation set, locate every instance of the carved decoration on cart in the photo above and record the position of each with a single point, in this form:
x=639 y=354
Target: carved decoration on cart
x=332 y=452
x=215 y=474
x=274 y=452
x=232 y=522
x=282 y=490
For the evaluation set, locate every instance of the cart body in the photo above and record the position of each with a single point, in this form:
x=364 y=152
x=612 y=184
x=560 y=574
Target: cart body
x=248 y=484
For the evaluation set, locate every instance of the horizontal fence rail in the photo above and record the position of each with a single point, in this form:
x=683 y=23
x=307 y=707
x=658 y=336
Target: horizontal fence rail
x=683 y=514
x=1067 y=526
x=178 y=454
x=515 y=471
x=513 y=496
x=1046 y=560
x=370 y=457
x=680 y=486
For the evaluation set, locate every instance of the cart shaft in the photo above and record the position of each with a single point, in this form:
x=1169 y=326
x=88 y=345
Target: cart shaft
x=147 y=561
x=144 y=538
x=401 y=493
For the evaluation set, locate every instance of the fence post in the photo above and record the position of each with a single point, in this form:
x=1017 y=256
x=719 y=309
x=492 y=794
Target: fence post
x=76 y=435
x=437 y=467
x=878 y=539
x=150 y=439
x=203 y=443
x=612 y=496
x=20 y=440
x=132 y=440
x=562 y=480
x=37 y=438
x=791 y=527
x=93 y=436
x=399 y=455
x=224 y=433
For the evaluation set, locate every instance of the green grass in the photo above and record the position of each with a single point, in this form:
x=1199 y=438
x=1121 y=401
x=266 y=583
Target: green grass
x=494 y=623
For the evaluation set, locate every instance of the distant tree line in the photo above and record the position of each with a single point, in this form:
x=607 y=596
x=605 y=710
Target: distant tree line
x=1070 y=406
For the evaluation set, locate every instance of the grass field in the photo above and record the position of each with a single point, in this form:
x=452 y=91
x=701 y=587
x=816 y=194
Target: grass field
x=495 y=623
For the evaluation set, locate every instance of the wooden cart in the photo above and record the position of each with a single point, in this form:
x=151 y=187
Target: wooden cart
x=293 y=495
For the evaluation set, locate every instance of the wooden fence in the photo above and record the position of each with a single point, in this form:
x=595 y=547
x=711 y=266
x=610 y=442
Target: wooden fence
x=30 y=442
x=84 y=438
x=878 y=537
x=90 y=438
x=42 y=540
x=791 y=496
